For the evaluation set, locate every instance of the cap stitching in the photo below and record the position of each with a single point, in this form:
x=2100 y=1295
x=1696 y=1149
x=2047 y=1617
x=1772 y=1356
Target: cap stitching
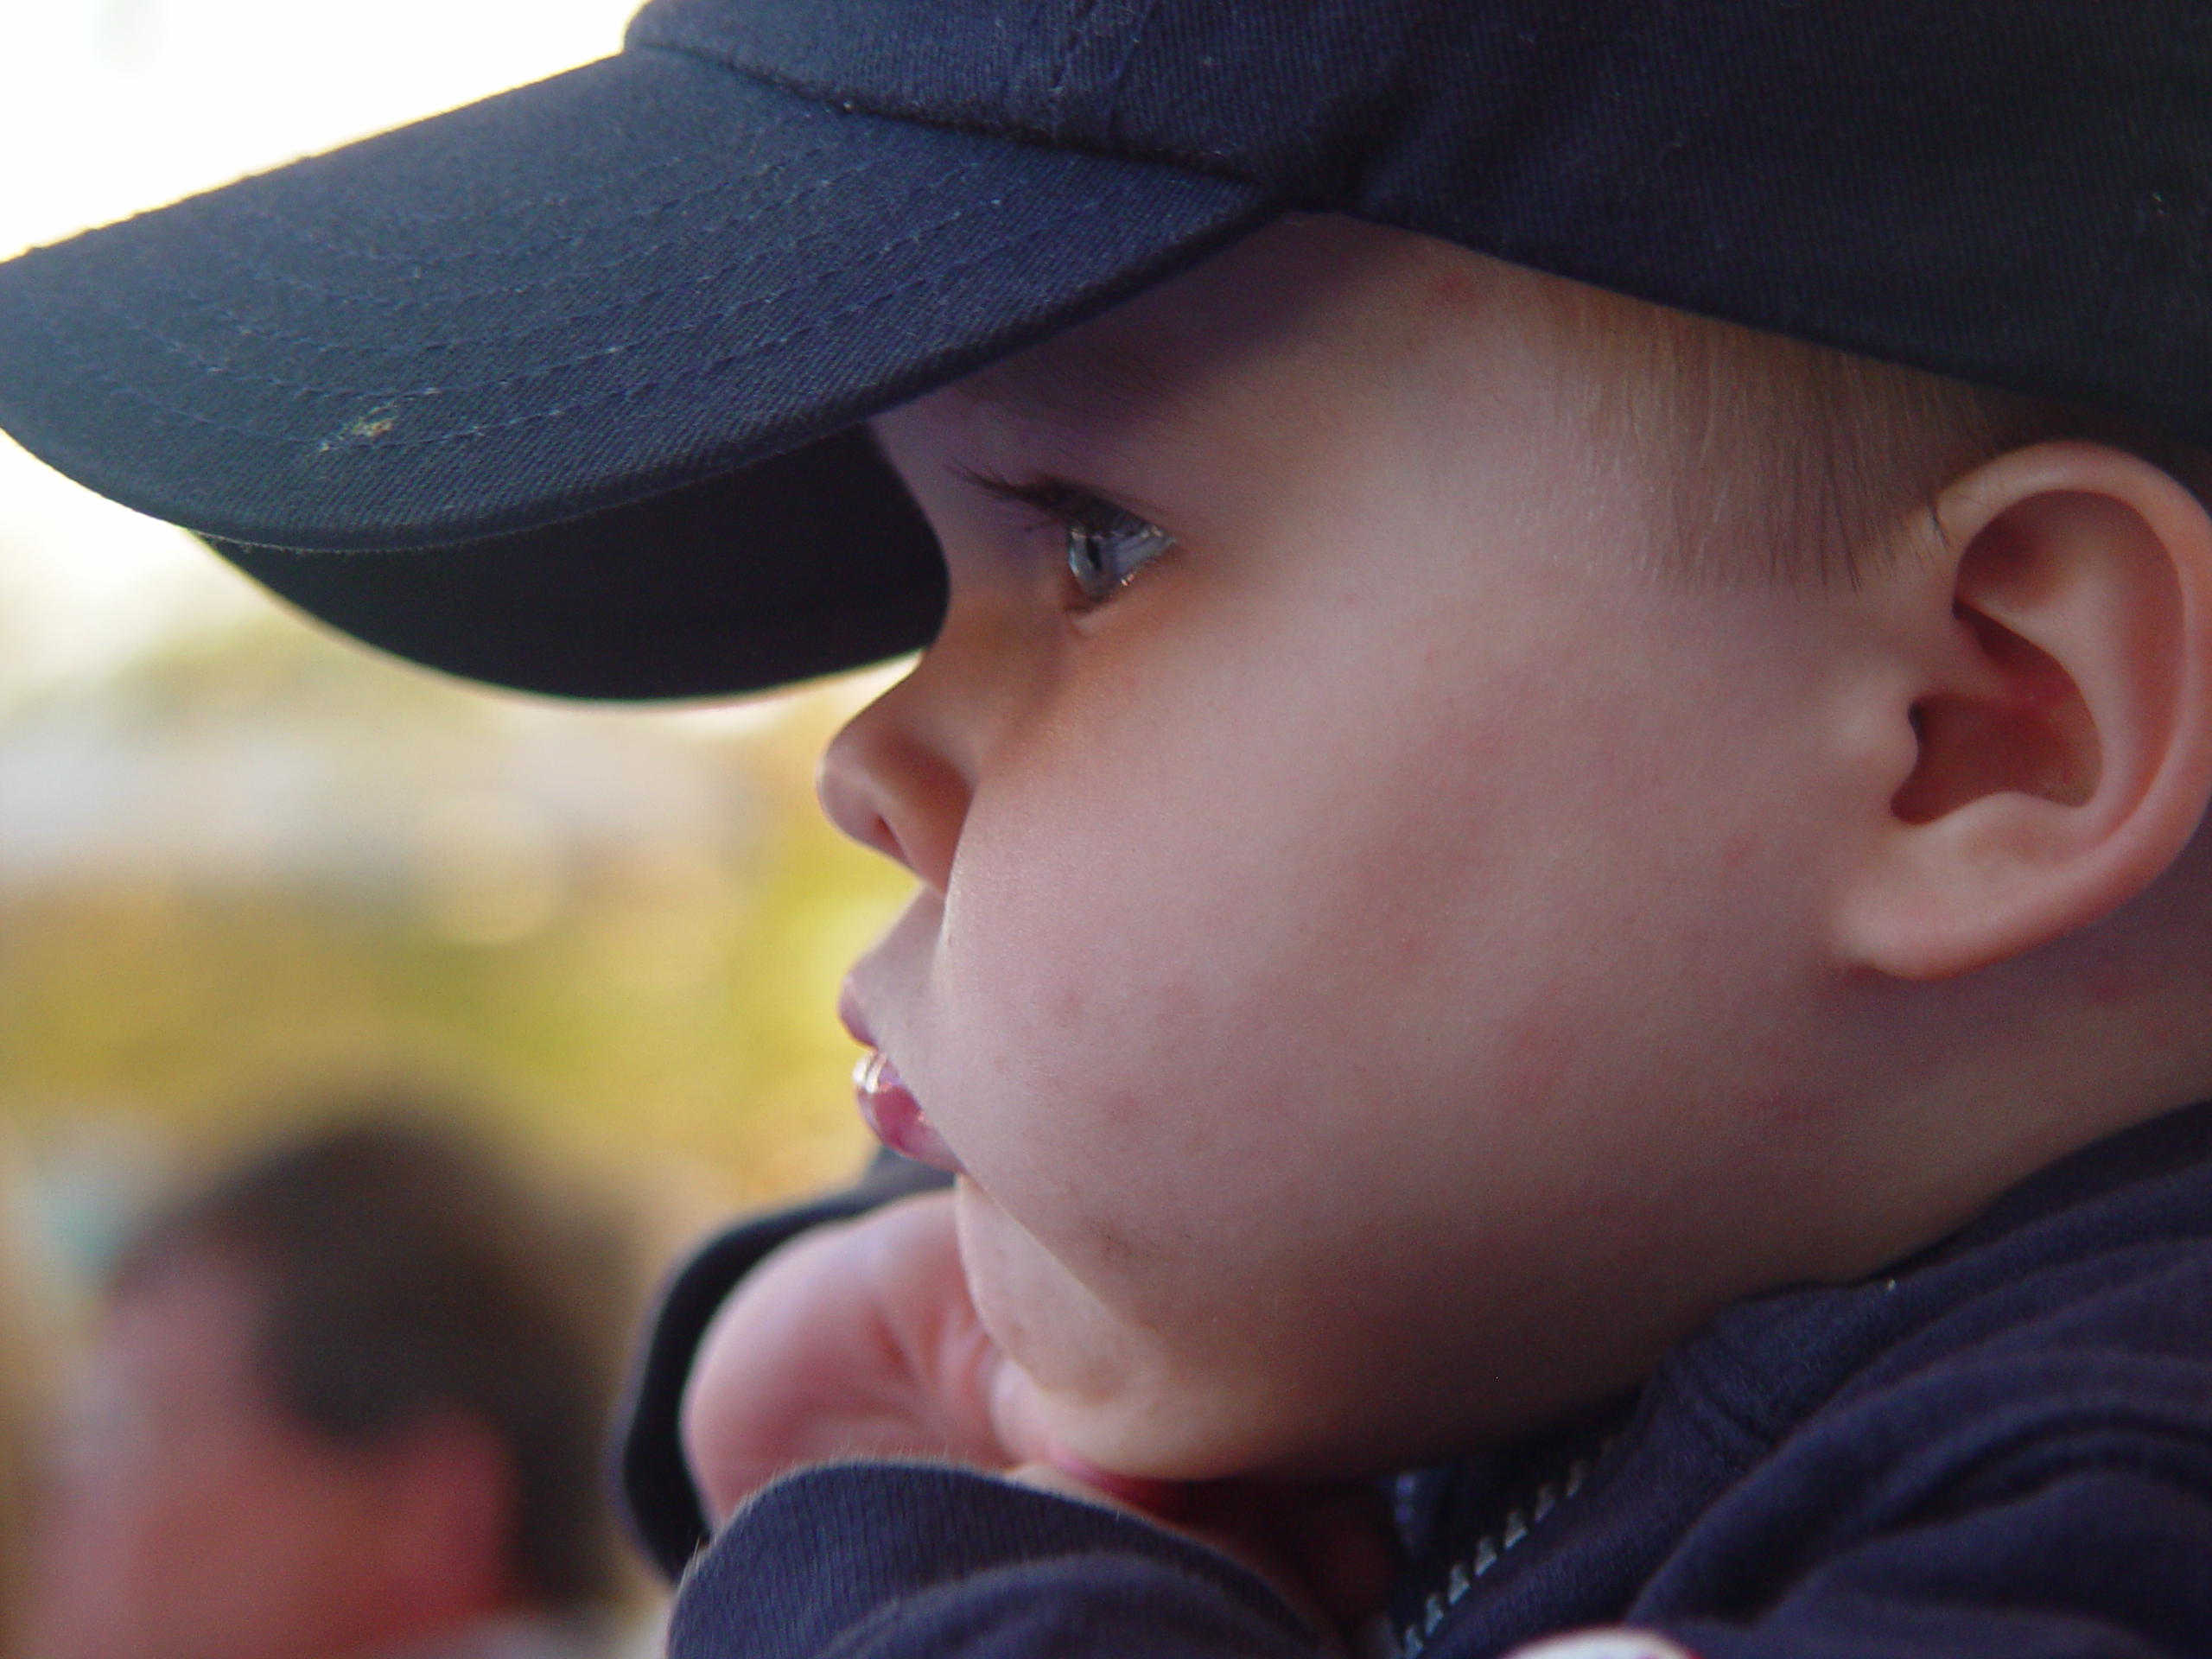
x=187 y=353
x=425 y=348
x=171 y=285
x=305 y=238
x=370 y=209
x=699 y=371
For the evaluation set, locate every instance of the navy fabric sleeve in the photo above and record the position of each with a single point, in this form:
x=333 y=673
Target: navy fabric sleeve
x=874 y=1560
x=659 y=1502
x=2002 y=1445
x=2080 y=1527
x=2101 y=1563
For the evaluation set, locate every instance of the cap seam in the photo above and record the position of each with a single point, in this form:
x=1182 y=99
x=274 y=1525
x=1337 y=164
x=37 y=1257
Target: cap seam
x=1216 y=167
x=1055 y=88
x=1112 y=110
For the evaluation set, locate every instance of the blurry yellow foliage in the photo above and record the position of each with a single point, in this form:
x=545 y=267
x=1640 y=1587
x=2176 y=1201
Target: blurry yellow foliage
x=619 y=933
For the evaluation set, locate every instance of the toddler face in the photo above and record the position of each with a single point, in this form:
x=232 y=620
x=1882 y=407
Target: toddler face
x=1362 y=959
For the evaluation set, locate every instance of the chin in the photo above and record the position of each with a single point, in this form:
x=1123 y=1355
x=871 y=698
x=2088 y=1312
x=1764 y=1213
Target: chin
x=1201 y=1429
x=1184 y=1437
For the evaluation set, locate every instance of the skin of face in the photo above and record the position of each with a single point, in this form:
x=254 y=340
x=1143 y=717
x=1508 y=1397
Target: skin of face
x=1369 y=967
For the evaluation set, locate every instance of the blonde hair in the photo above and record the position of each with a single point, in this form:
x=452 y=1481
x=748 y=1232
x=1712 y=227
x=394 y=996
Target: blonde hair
x=1774 y=460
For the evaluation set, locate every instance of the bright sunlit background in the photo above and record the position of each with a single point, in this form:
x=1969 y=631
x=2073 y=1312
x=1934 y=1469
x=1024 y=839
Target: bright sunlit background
x=245 y=869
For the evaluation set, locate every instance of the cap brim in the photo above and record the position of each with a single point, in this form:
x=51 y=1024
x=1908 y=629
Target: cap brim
x=561 y=308
x=803 y=564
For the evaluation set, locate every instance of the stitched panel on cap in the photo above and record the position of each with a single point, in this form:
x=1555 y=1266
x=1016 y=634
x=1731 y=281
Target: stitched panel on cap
x=1203 y=85
x=1893 y=179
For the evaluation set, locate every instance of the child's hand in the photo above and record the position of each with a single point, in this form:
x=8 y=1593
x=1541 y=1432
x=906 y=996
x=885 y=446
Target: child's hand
x=856 y=1340
x=859 y=1340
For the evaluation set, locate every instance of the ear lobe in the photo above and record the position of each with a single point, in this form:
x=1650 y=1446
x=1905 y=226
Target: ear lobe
x=2061 y=752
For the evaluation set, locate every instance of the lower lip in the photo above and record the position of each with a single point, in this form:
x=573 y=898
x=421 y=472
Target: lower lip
x=891 y=1110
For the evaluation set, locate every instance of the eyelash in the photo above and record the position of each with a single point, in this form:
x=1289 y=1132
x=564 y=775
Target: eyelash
x=1088 y=521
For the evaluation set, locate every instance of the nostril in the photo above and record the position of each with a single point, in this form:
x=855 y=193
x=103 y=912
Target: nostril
x=883 y=839
x=892 y=782
x=866 y=791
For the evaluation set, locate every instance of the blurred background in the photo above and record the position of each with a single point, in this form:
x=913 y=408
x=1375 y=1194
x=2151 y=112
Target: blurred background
x=248 y=872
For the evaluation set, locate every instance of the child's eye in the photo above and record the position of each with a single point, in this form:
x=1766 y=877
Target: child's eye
x=1107 y=545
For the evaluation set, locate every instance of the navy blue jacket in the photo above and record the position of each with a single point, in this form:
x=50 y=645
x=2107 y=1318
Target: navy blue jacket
x=2001 y=1447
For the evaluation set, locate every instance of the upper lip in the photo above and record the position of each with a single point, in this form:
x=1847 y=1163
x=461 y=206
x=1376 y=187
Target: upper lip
x=849 y=1016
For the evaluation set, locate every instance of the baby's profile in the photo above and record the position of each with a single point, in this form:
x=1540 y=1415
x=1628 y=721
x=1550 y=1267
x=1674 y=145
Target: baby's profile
x=1560 y=946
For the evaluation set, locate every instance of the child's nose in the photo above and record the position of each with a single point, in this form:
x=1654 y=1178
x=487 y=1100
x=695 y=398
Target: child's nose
x=890 y=781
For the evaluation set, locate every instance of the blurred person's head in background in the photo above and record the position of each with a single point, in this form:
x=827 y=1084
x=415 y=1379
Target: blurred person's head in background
x=349 y=1400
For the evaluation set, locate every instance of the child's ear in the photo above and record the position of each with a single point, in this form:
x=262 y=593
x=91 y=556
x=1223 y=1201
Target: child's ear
x=2053 y=722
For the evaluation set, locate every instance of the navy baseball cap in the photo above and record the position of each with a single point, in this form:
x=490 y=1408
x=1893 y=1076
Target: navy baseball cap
x=560 y=391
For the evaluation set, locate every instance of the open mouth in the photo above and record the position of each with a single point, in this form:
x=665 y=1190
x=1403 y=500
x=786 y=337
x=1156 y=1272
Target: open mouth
x=891 y=1111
